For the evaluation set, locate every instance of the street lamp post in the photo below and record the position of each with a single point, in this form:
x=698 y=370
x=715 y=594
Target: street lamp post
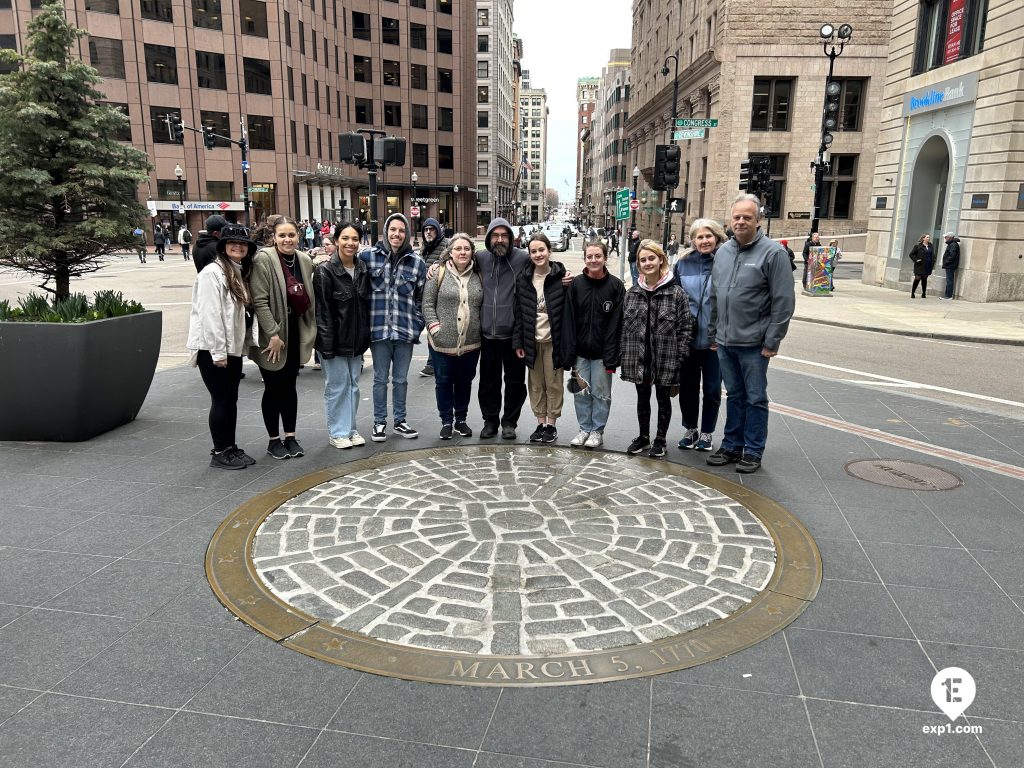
x=833 y=41
x=181 y=194
x=455 y=215
x=415 y=204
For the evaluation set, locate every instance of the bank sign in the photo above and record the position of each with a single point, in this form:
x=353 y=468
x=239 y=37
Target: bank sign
x=949 y=93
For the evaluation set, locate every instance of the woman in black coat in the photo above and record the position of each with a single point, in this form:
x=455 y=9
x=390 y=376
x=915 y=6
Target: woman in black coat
x=537 y=334
x=923 y=256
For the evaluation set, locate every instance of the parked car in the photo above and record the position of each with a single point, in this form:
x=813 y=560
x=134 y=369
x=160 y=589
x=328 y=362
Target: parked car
x=556 y=234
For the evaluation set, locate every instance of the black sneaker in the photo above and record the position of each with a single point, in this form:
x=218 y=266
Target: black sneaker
x=403 y=429
x=249 y=460
x=508 y=432
x=446 y=431
x=748 y=464
x=379 y=433
x=293 y=447
x=490 y=430
x=463 y=429
x=658 y=449
x=639 y=445
x=550 y=434
x=428 y=370
x=721 y=457
x=537 y=436
x=226 y=459
x=277 y=450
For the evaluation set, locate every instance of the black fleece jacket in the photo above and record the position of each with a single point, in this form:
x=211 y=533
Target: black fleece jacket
x=524 y=321
x=592 y=323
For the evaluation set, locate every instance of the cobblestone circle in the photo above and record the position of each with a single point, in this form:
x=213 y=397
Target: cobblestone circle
x=516 y=553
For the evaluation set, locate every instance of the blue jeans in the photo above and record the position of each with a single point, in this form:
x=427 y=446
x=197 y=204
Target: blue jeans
x=390 y=357
x=745 y=373
x=700 y=368
x=950 y=281
x=634 y=270
x=341 y=393
x=453 y=383
x=592 y=406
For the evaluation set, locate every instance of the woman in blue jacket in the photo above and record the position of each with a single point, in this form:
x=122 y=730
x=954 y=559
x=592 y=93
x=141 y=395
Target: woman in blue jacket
x=700 y=371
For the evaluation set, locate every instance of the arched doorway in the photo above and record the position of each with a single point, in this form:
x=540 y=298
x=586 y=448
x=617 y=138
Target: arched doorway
x=928 y=188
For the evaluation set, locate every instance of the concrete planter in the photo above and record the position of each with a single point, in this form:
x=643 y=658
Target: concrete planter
x=70 y=382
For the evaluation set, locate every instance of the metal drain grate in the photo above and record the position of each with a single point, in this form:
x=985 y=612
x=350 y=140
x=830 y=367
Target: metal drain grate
x=907 y=475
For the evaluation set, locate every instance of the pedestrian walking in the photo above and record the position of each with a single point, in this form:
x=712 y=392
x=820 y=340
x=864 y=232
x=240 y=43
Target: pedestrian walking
x=282 y=296
x=634 y=245
x=591 y=331
x=452 y=299
x=217 y=339
x=159 y=241
x=752 y=300
x=656 y=332
x=185 y=241
x=789 y=252
x=140 y=243
x=206 y=243
x=834 y=258
x=537 y=334
x=923 y=256
x=672 y=250
x=950 y=263
x=341 y=288
x=699 y=373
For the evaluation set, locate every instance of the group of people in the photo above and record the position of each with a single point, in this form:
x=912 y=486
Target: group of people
x=923 y=256
x=514 y=315
x=162 y=239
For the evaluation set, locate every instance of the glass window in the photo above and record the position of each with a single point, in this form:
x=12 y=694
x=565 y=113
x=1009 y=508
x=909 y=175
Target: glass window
x=418 y=36
x=253 y=17
x=418 y=76
x=257 y=76
x=210 y=72
x=206 y=14
x=107 y=56
x=444 y=6
x=444 y=40
x=838 y=187
x=389 y=31
x=288 y=29
x=482 y=194
x=483 y=17
x=302 y=37
x=219 y=121
x=483 y=43
x=291 y=84
x=124 y=133
x=851 y=102
x=158 y=10
x=295 y=138
x=483 y=94
x=483 y=119
x=444 y=80
x=483 y=168
x=420 y=156
x=417 y=3
x=445 y=156
x=419 y=116
x=772 y=104
x=305 y=90
x=483 y=70
x=99 y=6
x=158 y=124
x=483 y=144
x=445 y=119
x=364 y=111
x=161 y=64
x=362 y=69
x=392 y=73
x=261 y=132
x=933 y=47
x=220 y=190
x=360 y=25
x=393 y=113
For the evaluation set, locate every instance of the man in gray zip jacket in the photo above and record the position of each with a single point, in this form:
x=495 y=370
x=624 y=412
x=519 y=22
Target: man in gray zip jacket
x=752 y=301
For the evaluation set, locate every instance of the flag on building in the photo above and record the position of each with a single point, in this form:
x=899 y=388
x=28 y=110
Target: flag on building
x=527 y=165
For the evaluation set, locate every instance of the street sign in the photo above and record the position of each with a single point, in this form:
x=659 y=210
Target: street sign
x=634 y=205
x=690 y=122
x=677 y=205
x=245 y=166
x=415 y=210
x=622 y=204
x=693 y=133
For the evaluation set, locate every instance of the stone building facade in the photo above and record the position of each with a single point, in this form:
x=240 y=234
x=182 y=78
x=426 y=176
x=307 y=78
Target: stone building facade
x=586 y=106
x=951 y=147
x=612 y=158
x=761 y=72
x=533 y=108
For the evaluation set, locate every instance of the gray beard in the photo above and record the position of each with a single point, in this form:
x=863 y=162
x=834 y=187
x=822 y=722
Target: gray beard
x=500 y=250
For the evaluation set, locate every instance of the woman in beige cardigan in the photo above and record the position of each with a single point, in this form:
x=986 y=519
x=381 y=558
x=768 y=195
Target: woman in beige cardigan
x=282 y=295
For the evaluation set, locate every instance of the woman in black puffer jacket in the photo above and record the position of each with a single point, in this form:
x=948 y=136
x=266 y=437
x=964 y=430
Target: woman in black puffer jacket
x=537 y=334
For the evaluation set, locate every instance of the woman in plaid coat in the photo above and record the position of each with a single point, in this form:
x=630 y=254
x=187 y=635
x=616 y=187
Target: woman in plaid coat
x=656 y=331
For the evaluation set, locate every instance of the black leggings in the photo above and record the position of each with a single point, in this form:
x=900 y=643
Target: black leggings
x=222 y=383
x=280 y=399
x=924 y=286
x=643 y=408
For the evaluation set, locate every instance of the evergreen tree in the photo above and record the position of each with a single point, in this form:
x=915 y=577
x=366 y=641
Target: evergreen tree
x=67 y=186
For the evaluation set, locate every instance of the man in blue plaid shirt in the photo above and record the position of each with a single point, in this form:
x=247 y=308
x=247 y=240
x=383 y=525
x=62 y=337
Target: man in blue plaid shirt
x=397 y=275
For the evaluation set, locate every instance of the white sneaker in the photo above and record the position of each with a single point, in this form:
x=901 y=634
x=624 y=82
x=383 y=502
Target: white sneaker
x=341 y=442
x=596 y=440
x=580 y=440
x=357 y=439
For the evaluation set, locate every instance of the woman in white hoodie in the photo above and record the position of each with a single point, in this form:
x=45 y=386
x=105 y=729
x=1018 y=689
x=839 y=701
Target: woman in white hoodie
x=218 y=338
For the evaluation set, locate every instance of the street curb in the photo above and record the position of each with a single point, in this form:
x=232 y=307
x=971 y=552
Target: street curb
x=916 y=334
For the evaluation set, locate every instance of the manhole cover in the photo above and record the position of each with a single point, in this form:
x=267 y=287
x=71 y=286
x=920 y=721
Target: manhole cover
x=906 y=475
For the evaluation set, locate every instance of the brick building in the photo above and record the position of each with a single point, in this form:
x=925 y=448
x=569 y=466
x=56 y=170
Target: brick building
x=586 y=104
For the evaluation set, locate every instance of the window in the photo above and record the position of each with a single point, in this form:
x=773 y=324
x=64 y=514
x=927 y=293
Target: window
x=772 y=105
x=364 y=111
x=837 y=187
x=158 y=10
x=291 y=84
x=483 y=119
x=483 y=94
x=418 y=76
x=483 y=70
x=158 y=124
x=220 y=190
x=445 y=119
x=444 y=80
x=444 y=40
x=483 y=144
x=392 y=113
x=302 y=38
x=445 y=156
x=419 y=116
x=288 y=29
x=420 y=156
x=483 y=168
x=161 y=64
x=305 y=90
x=305 y=139
x=219 y=121
x=252 y=15
x=483 y=43
x=206 y=14
x=210 y=72
x=483 y=17
x=316 y=95
x=392 y=73
x=933 y=47
x=360 y=25
x=418 y=36
x=851 y=101
x=99 y=6
x=482 y=195
x=362 y=69
x=777 y=191
x=444 y=6
x=261 y=132
x=295 y=139
x=124 y=132
x=107 y=56
x=389 y=31
x=417 y=3
x=257 y=76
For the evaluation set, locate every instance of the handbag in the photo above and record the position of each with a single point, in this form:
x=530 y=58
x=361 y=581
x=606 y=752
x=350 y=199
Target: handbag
x=298 y=299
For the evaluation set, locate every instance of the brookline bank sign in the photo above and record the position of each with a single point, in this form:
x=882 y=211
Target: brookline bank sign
x=949 y=93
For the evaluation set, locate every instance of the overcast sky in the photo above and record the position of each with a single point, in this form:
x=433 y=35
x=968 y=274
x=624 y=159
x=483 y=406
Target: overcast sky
x=564 y=40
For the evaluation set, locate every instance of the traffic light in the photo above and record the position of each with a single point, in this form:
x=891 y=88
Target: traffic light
x=746 y=179
x=666 y=167
x=764 y=176
x=176 y=128
x=208 y=138
x=830 y=115
x=351 y=148
x=389 y=150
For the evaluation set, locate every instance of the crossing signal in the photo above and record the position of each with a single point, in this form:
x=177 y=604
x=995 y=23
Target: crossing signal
x=666 y=167
x=389 y=150
x=747 y=180
x=351 y=148
x=208 y=138
x=177 y=129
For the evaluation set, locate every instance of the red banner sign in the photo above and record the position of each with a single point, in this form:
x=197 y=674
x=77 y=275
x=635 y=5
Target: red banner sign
x=954 y=30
